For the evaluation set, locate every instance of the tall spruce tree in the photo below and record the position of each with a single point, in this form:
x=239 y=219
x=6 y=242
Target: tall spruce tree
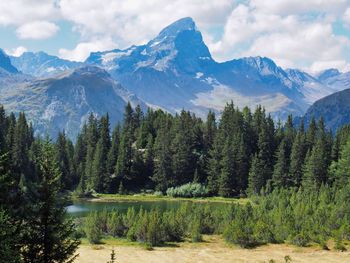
x=227 y=178
x=297 y=158
x=162 y=161
x=48 y=235
x=341 y=169
x=316 y=166
x=64 y=162
x=281 y=177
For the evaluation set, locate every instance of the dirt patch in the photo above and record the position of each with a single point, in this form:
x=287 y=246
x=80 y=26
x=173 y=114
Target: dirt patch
x=211 y=251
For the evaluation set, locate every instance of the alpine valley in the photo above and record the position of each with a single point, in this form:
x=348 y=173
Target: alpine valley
x=174 y=71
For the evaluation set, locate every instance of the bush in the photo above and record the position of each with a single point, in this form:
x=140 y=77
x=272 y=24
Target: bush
x=301 y=239
x=93 y=229
x=188 y=190
x=339 y=245
x=158 y=194
x=115 y=225
x=196 y=235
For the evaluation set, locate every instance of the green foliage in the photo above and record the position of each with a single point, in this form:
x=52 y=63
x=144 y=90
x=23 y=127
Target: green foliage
x=188 y=190
x=93 y=228
x=48 y=236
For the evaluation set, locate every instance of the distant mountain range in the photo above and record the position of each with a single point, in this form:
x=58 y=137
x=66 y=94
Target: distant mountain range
x=334 y=108
x=173 y=71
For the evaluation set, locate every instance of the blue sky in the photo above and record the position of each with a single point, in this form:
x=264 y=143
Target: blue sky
x=312 y=35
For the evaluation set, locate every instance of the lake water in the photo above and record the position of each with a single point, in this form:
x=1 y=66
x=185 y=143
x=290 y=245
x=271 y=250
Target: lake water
x=82 y=208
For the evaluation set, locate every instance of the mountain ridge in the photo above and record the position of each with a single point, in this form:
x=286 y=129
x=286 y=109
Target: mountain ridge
x=175 y=71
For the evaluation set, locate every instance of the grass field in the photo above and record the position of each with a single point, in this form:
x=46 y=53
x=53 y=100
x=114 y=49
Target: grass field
x=151 y=197
x=212 y=250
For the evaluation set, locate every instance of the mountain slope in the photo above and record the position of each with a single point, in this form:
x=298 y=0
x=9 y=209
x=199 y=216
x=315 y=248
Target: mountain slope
x=5 y=63
x=65 y=101
x=175 y=70
x=41 y=64
x=334 y=109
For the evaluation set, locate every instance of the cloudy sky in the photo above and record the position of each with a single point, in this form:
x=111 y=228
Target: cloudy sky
x=308 y=34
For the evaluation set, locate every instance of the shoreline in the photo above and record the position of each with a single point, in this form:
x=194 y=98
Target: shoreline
x=111 y=198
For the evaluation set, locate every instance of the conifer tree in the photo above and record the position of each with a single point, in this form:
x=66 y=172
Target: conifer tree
x=48 y=236
x=256 y=181
x=63 y=161
x=162 y=161
x=91 y=142
x=112 y=159
x=316 y=166
x=281 y=177
x=341 y=169
x=214 y=165
x=297 y=158
x=228 y=175
x=11 y=214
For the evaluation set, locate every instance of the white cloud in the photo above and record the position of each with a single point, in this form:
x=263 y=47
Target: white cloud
x=287 y=7
x=134 y=22
x=286 y=31
x=37 y=30
x=83 y=49
x=295 y=33
x=346 y=16
x=319 y=66
x=19 y=12
x=16 y=52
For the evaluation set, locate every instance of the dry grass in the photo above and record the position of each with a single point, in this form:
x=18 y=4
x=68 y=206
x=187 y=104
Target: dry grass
x=212 y=250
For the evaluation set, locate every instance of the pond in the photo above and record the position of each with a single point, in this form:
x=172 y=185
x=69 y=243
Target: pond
x=82 y=208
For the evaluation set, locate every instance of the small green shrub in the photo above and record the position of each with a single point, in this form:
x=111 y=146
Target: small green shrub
x=188 y=190
x=93 y=228
x=301 y=239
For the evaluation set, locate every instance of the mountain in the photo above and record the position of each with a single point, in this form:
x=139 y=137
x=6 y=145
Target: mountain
x=65 y=101
x=41 y=64
x=312 y=88
x=335 y=80
x=334 y=109
x=175 y=70
x=5 y=63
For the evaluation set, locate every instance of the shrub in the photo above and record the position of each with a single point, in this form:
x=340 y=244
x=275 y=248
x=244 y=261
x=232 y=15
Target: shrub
x=115 y=225
x=301 y=239
x=188 y=190
x=196 y=235
x=158 y=193
x=93 y=228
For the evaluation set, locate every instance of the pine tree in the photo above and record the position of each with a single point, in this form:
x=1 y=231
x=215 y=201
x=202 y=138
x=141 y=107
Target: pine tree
x=311 y=134
x=91 y=141
x=124 y=161
x=162 y=161
x=48 y=237
x=21 y=144
x=261 y=168
x=316 y=166
x=256 y=181
x=228 y=175
x=297 y=158
x=214 y=165
x=281 y=177
x=99 y=170
x=9 y=251
x=112 y=159
x=63 y=161
x=182 y=159
x=341 y=169
x=11 y=213
x=149 y=160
